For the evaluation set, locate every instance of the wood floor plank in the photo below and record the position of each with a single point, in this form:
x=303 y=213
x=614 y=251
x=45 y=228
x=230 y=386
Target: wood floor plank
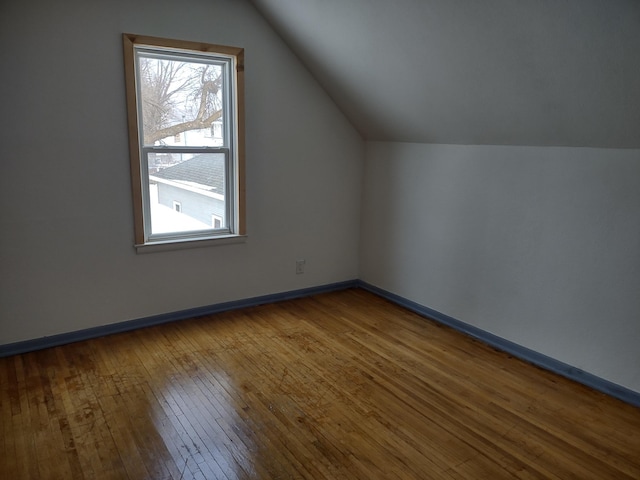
x=120 y=410
x=7 y=401
x=207 y=450
x=319 y=409
x=591 y=463
x=141 y=447
x=422 y=421
x=43 y=422
x=22 y=421
x=45 y=365
x=246 y=403
x=239 y=425
x=343 y=385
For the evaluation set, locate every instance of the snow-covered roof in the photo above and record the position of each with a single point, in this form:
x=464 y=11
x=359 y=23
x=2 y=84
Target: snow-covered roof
x=204 y=171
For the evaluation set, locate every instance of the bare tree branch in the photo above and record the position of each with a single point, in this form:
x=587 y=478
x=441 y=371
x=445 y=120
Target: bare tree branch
x=173 y=130
x=173 y=90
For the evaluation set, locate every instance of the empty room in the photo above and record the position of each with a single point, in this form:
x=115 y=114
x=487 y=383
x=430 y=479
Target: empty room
x=303 y=239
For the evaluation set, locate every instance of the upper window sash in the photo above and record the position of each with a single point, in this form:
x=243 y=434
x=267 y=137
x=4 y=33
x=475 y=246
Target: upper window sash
x=227 y=63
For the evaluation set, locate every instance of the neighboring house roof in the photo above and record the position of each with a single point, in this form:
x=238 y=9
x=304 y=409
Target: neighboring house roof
x=204 y=171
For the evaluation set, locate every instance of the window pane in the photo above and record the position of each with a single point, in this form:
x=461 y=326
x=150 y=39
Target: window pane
x=186 y=100
x=181 y=101
x=195 y=182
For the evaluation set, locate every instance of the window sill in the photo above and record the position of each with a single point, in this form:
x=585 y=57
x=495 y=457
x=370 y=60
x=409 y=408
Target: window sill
x=181 y=244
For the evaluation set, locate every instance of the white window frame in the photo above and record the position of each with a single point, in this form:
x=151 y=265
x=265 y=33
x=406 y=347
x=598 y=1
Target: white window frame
x=233 y=148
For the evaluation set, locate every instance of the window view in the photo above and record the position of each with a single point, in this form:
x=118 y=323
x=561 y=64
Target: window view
x=185 y=120
x=194 y=186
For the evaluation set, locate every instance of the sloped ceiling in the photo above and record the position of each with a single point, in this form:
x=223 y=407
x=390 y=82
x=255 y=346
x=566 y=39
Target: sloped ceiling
x=512 y=72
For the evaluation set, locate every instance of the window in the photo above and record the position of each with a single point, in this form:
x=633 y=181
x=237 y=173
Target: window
x=186 y=139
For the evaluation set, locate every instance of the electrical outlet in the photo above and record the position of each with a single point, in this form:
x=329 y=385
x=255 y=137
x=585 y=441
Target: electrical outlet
x=300 y=266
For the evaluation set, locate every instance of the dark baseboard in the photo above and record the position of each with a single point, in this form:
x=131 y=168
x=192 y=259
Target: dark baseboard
x=523 y=353
x=95 y=332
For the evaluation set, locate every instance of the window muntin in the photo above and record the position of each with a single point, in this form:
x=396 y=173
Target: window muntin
x=187 y=145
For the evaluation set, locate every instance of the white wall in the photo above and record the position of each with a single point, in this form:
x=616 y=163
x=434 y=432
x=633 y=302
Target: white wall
x=538 y=245
x=67 y=260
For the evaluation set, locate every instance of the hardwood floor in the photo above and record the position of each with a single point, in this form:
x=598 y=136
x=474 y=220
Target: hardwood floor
x=338 y=386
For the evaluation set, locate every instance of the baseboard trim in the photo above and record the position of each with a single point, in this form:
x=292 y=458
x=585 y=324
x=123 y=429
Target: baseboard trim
x=523 y=353
x=95 y=332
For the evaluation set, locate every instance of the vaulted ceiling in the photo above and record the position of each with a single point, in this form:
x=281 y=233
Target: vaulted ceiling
x=512 y=72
